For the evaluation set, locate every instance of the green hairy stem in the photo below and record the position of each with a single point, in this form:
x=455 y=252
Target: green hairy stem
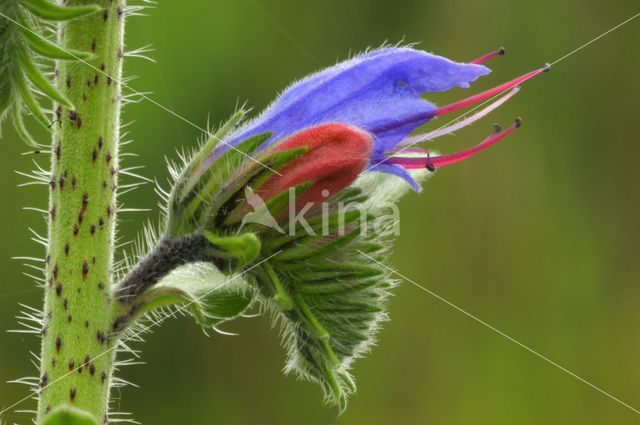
x=84 y=164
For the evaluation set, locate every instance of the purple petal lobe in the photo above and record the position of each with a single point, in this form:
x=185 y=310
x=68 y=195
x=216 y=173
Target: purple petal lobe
x=376 y=91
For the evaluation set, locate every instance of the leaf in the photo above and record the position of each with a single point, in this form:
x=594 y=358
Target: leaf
x=44 y=9
x=66 y=414
x=44 y=47
x=201 y=290
x=40 y=81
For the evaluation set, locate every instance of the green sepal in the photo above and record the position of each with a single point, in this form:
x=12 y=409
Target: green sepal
x=199 y=289
x=237 y=251
x=45 y=48
x=65 y=414
x=275 y=206
x=44 y=9
x=233 y=194
x=40 y=81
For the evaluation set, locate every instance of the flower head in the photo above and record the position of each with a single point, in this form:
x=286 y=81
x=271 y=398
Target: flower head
x=319 y=141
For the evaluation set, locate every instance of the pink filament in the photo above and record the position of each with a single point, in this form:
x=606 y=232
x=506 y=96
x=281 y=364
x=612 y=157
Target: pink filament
x=481 y=59
x=437 y=161
x=478 y=97
x=460 y=124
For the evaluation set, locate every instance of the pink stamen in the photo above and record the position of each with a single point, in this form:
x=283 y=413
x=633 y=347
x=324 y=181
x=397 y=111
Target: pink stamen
x=481 y=59
x=480 y=96
x=460 y=124
x=436 y=161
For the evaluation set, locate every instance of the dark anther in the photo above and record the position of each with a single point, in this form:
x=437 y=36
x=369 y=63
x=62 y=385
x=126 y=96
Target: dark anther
x=547 y=67
x=430 y=167
x=501 y=51
x=518 y=122
x=497 y=128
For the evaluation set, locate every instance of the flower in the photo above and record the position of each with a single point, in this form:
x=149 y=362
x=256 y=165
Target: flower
x=321 y=278
x=378 y=92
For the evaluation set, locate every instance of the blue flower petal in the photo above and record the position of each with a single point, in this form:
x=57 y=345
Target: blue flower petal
x=376 y=91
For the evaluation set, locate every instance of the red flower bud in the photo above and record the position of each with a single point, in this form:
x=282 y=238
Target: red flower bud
x=337 y=153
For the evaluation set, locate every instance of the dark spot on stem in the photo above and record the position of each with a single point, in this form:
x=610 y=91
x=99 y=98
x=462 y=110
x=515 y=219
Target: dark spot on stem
x=105 y=15
x=52 y=183
x=92 y=369
x=69 y=318
x=92 y=229
x=58 y=289
x=102 y=66
x=61 y=183
x=48 y=409
x=100 y=142
x=108 y=157
x=55 y=270
x=65 y=303
x=72 y=364
x=58 y=152
x=85 y=269
x=80 y=217
x=58 y=344
x=93 y=260
x=45 y=380
x=85 y=200
x=73 y=182
x=79 y=122
x=75 y=230
x=101 y=286
x=104 y=183
x=93 y=45
x=95 y=79
x=103 y=377
x=101 y=222
x=73 y=115
x=94 y=154
x=68 y=81
x=86 y=323
x=59 y=112
x=84 y=96
x=53 y=212
x=72 y=393
x=109 y=211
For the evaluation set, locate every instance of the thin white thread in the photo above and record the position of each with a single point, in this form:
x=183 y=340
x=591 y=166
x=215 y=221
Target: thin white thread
x=144 y=96
x=146 y=328
x=499 y=332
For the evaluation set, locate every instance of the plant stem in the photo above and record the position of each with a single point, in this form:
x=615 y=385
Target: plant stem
x=77 y=308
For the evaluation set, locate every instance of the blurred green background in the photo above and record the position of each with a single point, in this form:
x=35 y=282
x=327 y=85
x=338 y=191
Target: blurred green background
x=537 y=236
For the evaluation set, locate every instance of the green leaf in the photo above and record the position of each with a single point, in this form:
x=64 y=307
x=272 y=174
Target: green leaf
x=66 y=414
x=199 y=289
x=48 y=49
x=18 y=124
x=44 y=9
x=40 y=81
x=31 y=102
